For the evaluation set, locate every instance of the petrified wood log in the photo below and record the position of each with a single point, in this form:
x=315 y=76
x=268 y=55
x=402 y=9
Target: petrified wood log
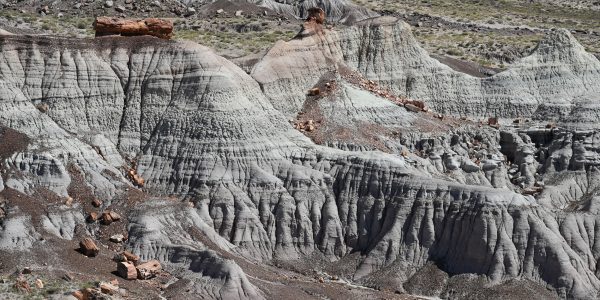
x=151 y=26
x=317 y=14
x=148 y=269
x=88 y=247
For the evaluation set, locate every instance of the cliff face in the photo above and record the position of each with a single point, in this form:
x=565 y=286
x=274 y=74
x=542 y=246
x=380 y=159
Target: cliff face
x=197 y=128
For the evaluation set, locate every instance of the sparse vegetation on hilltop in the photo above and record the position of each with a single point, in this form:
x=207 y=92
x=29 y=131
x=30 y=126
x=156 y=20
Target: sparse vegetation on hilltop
x=230 y=36
x=235 y=36
x=481 y=31
x=74 y=26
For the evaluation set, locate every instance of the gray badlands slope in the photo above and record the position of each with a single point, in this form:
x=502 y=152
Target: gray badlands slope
x=559 y=80
x=253 y=189
x=342 y=11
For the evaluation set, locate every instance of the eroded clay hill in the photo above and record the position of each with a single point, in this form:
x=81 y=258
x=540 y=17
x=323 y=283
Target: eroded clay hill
x=219 y=177
x=558 y=81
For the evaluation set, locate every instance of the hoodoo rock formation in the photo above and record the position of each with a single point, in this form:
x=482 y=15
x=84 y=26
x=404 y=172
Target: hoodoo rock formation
x=230 y=184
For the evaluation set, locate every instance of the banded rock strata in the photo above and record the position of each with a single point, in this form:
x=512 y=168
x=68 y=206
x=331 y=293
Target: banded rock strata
x=198 y=128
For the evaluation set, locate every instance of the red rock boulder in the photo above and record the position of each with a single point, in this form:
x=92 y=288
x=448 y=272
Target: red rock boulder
x=152 y=26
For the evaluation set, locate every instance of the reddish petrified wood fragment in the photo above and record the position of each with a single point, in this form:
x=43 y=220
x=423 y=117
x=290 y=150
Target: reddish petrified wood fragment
x=316 y=14
x=152 y=26
x=127 y=270
x=148 y=269
x=88 y=247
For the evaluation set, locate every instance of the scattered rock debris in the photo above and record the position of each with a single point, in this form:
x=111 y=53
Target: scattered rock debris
x=404 y=153
x=39 y=284
x=520 y=121
x=108 y=288
x=96 y=202
x=372 y=86
x=126 y=256
x=307 y=126
x=314 y=92
x=316 y=14
x=117 y=238
x=134 y=177
x=493 y=122
x=67 y=277
x=42 y=107
x=22 y=285
x=411 y=107
x=91 y=293
x=109 y=216
x=131 y=257
x=92 y=217
x=144 y=271
x=532 y=190
x=78 y=295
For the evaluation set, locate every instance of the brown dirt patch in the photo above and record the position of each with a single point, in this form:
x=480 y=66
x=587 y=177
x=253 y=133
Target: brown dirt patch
x=11 y=141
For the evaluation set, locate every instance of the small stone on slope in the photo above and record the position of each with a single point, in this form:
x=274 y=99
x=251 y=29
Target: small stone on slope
x=88 y=247
x=148 y=269
x=127 y=270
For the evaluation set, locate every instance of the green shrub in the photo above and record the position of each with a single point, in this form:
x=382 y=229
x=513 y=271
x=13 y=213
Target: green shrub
x=454 y=52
